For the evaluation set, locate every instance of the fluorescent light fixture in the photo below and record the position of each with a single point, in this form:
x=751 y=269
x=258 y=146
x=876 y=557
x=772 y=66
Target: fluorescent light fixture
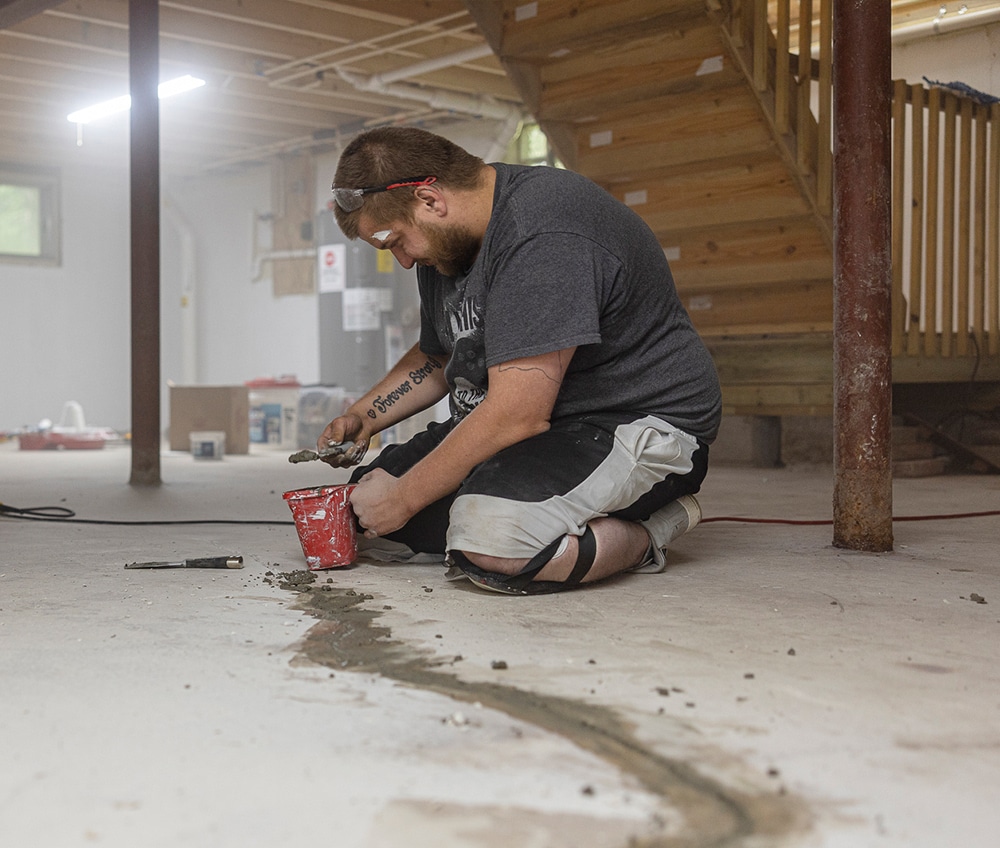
x=124 y=103
x=178 y=86
x=100 y=110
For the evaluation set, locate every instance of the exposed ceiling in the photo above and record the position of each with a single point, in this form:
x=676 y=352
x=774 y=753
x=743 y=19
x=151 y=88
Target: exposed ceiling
x=282 y=75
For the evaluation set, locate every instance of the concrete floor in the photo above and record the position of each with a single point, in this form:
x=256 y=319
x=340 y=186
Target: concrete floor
x=767 y=690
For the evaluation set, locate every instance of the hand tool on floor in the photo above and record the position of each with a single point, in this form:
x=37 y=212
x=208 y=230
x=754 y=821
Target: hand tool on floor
x=204 y=562
x=331 y=450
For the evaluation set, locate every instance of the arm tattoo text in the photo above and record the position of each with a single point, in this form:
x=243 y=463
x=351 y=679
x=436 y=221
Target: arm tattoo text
x=381 y=403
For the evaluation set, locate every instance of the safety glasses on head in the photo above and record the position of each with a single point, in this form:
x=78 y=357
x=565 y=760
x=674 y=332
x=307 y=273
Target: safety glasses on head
x=352 y=199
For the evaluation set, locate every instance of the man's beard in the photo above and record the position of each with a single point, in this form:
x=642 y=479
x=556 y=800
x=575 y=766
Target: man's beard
x=452 y=249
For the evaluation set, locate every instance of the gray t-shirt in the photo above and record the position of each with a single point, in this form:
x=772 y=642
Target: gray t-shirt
x=564 y=264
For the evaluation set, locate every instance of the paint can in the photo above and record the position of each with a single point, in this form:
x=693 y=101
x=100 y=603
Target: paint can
x=326 y=525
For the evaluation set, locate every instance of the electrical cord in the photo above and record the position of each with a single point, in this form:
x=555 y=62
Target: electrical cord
x=39 y=511
x=829 y=521
x=65 y=515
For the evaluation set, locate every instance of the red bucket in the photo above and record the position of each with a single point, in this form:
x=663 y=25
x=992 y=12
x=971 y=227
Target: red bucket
x=325 y=523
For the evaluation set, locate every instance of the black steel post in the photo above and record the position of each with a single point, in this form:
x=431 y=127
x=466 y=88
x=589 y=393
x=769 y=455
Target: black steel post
x=144 y=164
x=862 y=507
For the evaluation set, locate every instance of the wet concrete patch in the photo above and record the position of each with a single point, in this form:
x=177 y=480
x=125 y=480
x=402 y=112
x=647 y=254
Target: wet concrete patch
x=347 y=636
x=446 y=825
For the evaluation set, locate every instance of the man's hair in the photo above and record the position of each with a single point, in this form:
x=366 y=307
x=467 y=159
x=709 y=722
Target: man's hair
x=390 y=154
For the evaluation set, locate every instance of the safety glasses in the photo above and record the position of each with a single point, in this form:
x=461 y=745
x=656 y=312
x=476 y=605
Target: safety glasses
x=352 y=199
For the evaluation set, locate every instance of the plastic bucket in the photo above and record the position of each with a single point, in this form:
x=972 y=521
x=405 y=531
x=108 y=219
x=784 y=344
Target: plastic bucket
x=325 y=523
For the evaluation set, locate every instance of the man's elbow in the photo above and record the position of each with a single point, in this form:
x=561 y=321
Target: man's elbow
x=529 y=426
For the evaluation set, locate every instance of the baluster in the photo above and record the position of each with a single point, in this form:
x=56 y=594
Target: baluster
x=931 y=215
x=964 y=227
x=898 y=186
x=948 y=227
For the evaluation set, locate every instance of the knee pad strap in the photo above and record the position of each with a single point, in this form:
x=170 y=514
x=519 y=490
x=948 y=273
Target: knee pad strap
x=524 y=583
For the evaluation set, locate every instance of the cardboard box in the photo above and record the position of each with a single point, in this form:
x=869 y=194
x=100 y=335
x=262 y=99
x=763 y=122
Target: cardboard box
x=196 y=408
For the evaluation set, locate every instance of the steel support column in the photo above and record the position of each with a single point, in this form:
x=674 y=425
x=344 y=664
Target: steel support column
x=862 y=504
x=144 y=164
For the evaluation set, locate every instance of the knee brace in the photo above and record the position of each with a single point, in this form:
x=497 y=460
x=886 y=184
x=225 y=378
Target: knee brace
x=524 y=583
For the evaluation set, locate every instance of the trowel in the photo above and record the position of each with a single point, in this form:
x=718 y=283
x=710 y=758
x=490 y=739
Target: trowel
x=331 y=450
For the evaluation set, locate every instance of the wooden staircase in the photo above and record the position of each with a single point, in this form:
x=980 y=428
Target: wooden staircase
x=651 y=99
x=699 y=115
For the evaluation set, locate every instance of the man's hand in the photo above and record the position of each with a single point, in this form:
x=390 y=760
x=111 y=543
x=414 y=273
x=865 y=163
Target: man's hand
x=346 y=428
x=377 y=505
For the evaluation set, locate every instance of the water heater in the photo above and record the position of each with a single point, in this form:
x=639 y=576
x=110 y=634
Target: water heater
x=368 y=309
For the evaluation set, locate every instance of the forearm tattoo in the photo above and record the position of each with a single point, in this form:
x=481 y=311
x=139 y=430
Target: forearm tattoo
x=381 y=403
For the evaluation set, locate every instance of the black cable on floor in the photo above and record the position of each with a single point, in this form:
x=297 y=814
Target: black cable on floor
x=66 y=516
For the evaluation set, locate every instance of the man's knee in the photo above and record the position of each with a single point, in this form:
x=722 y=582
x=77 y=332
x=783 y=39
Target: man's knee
x=499 y=565
x=521 y=576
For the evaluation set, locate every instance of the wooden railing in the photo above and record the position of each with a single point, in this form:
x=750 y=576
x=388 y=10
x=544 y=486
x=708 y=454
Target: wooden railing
x=794 y=89
x=946 y=232
x=801 y=80
x=946 y=174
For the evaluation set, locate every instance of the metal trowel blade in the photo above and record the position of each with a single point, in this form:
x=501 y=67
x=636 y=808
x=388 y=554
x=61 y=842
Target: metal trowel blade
x=332 y=450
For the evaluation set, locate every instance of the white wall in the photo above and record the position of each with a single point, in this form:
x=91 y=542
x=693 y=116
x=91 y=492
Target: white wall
x=971 y=56
x=242 y=330
x=64 y=331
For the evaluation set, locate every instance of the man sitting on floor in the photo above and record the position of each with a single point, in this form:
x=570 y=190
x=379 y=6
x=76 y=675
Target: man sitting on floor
x=582 y=400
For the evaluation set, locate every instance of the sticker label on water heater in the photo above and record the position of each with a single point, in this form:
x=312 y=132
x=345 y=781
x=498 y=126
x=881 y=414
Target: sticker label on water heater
x=361 y=309
x=332 y=267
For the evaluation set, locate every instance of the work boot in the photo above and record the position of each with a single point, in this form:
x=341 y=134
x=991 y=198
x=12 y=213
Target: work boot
x=663 y=526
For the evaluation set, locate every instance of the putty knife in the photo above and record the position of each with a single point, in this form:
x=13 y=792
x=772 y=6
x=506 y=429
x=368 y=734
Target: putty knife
x=205 y=562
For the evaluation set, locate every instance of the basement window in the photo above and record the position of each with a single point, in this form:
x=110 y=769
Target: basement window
x=29 y=216
x=531 y=147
